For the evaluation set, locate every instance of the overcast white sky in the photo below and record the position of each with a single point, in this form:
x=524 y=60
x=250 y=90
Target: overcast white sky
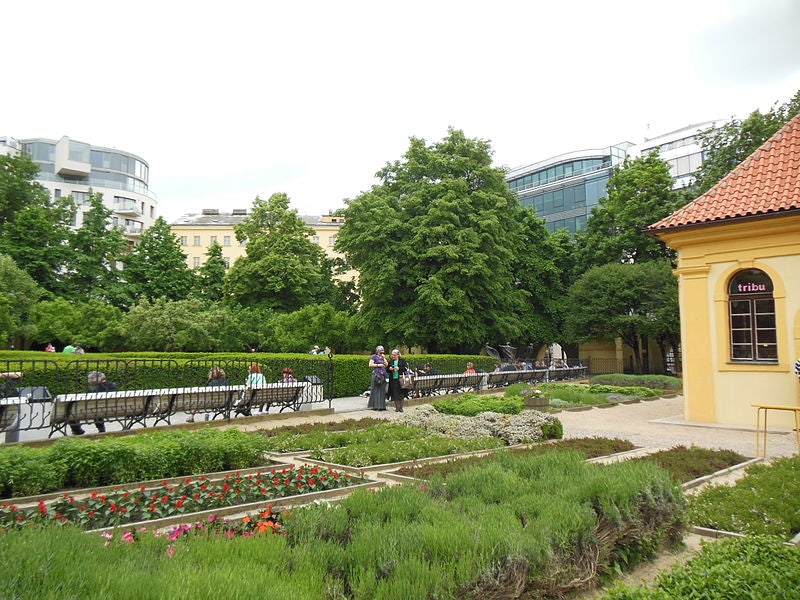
x=230 y=100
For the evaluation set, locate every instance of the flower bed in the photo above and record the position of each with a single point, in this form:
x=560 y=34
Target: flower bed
x=122 y=506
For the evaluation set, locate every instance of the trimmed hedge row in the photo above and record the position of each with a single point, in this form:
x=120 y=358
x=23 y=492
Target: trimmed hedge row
x=80 y=462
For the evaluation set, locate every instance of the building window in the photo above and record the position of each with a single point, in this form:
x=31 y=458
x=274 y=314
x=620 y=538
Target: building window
x=227 y=260
x=315 y=239
x=226 y=240
x=752 y=317
x=80 y=197
x=196 y=240
x=196 y=262
x=331 y=241
x=213 y=240
x=184 y=240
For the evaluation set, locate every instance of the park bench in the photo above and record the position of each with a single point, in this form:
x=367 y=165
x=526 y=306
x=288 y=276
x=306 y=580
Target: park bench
x=263 y=397
x=9 y=412
x=426 y=385
x=503 y=378
x=135 y=406
x=216 y=400
x=127 y=407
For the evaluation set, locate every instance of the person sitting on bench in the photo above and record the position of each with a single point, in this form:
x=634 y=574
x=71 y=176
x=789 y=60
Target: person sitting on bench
x=97 y=383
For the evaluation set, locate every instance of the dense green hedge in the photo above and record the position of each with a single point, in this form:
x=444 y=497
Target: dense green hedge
x=83 y=462
x=658 y=382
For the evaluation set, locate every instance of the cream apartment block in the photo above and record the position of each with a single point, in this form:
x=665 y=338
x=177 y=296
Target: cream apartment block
x=196 y=232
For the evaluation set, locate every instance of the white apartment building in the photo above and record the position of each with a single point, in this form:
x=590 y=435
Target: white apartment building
x=71 y=168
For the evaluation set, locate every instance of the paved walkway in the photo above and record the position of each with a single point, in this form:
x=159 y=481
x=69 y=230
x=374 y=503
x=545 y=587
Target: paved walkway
x=650 y=424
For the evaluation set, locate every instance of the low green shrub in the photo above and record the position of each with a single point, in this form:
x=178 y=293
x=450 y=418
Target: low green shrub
x=763 y=502
x=686 y=464
x=470 y=405
x=26 y=471
x=83 y=462
x=566 y=393
x=756 y=567
x=637 y=390
x=658 y=382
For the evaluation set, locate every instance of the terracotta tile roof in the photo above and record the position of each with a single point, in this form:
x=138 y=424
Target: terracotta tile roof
x=766 y=182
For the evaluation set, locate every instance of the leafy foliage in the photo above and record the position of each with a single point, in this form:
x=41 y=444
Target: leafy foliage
x=753 y=567
x=156 y=267
x=96 y=248
x=435 y=245
x=762 y=502
x=658 y=382
x=639 y=194
x=282 y=268
x=626 y=301
x=18 y=294
x=470 y=405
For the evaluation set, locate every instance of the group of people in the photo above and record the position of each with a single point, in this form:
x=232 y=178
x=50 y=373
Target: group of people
x=386 y=379
x=255 y=378
x=68 y=349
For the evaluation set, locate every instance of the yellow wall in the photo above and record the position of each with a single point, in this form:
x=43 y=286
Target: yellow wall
x=715 y=388
x=324 y=235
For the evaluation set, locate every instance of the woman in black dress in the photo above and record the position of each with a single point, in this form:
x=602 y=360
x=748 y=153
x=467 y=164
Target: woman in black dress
x=397 y=366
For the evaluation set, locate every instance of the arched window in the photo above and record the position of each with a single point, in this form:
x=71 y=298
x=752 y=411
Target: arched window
x=752 y=317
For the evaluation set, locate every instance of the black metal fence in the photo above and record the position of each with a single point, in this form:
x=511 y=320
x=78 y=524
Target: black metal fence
x=29 y=387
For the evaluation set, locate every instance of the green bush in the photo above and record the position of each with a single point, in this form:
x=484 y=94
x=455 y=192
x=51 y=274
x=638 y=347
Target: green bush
x=756 y=567
x=657 y=382
x=84 y=462
x=470 y=405
x=763 y=502
x=28 y=471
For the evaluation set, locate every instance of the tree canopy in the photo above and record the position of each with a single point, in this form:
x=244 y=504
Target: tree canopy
x=96 y=248
x=156 y=267
x=727 y=146
x=639 y=194
x=628 y=301
x=282 y=268
x=435 y=245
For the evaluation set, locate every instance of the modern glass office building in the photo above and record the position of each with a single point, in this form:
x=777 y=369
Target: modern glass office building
x=71 y=168
x=564 y=189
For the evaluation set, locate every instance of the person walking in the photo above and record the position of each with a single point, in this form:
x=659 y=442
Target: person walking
x=397 y=366
x=377 y=386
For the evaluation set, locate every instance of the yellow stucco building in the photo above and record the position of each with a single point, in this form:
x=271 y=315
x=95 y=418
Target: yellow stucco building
x=196 y=232
x=738 y=271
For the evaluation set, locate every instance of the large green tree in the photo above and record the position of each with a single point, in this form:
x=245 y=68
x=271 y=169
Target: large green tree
x=639 y=194
x=18 y=295
x=185 y=325
x=211 y=275
x=34 y=228
x=627 y=301
x=435 y=245
x=539 y=267
x=725 y=147
x=96 y=247
x=282 y=269
x=65 y=321
x=156 y=267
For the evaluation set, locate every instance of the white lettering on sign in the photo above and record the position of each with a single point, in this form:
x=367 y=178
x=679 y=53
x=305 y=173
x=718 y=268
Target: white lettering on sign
x=752 y=287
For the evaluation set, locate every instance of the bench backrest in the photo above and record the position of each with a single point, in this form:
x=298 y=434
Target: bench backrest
x=284 y=394
x=100 y=405
x=215 y=398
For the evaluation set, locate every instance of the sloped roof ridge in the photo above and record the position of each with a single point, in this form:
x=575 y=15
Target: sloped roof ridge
x=767 y=181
